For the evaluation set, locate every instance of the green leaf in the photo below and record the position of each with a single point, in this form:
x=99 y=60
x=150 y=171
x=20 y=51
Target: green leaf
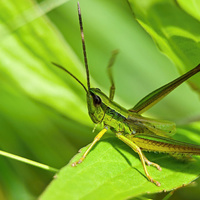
x=113 y=171
x=174 y=31
x=192 y=7
x=43 y=114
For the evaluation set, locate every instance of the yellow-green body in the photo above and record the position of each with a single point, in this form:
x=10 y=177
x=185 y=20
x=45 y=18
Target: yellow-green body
x=148 y=134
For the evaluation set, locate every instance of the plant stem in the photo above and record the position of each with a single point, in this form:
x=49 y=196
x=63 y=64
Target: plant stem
x=30 y=162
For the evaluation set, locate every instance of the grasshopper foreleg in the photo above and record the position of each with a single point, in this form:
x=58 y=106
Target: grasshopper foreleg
x=110 y=64
x=96 y=139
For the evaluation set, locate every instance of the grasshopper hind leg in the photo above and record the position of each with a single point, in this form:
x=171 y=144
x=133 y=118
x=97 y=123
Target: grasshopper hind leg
x=142 y=157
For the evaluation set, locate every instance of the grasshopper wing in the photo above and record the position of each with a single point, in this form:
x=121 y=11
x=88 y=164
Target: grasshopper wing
x=155 y=96
x=150 y=126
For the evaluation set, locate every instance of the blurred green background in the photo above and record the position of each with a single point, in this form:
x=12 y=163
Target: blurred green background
x=43 y=113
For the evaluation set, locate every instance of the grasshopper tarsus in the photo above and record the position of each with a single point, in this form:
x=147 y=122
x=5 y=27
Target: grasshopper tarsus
x=74 y=164
x=157 y=183
x=153 y=181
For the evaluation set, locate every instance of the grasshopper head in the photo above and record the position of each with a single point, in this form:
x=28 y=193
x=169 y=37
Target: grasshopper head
x=95 y=97
x=96 y=108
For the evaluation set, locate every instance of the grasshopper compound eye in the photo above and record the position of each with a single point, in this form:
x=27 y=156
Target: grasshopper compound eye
x=97 y=100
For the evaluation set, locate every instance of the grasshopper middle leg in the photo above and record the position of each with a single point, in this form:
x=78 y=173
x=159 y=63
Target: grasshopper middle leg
x=141 y=155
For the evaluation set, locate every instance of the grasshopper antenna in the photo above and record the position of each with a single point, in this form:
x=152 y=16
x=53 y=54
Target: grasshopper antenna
x=83 y=45
x=61 y=67
x=84 y=53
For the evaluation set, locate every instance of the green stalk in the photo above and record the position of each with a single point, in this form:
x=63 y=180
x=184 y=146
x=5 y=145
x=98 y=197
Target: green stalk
x=30 y=162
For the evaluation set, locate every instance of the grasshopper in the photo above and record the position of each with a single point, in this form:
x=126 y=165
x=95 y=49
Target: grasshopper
x=138 y=132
